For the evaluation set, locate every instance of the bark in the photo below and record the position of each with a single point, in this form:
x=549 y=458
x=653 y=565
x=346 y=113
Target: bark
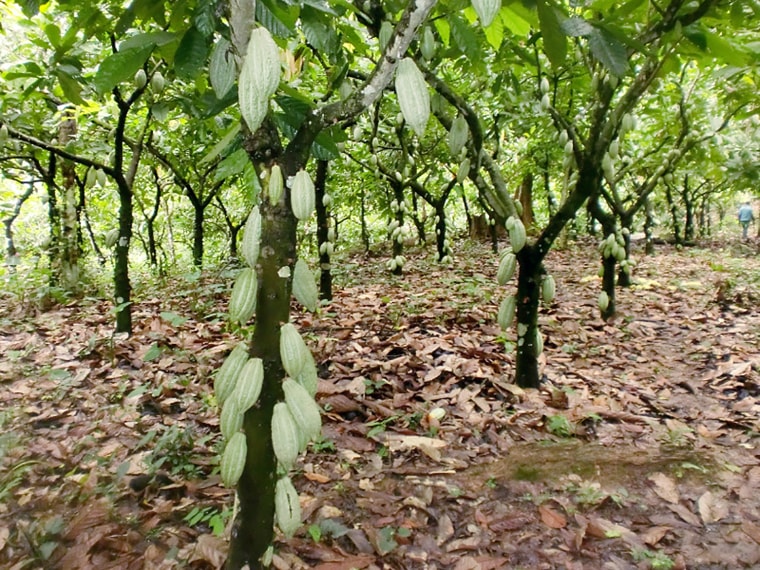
x=524 y=195
x=10 y=245
x=649 y=228
x=397 y=245
x=609 y=262
x=69 y=234
x=528 y=296
x=323 y=226
x=252 y=531
x=673 y=215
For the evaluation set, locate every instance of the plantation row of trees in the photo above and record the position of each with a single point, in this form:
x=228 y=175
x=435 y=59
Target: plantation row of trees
x=124 y=122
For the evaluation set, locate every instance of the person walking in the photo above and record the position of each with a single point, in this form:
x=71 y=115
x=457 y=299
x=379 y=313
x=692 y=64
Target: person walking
x=746 y=217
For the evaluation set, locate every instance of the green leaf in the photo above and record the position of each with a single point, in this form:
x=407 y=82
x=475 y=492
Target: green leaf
x=385 y=540
x=320 y=31
x=276 y=17
x=53 y=34
x=119 y=67
x=464 y=38
x=173 y=318
x=325 y=147
x=495 y=33
x=205 y=18
x=31 y=7
x=555 y=41
x=232 y=165
x=610 y=52
x=725 y=51
x=157 y=39
x=577 y=27
x=191 y=54
x=515 y=23
x=153 y=352
x=222 y=144
x=72 y=90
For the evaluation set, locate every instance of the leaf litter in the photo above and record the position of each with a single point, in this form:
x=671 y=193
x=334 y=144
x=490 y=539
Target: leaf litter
x=639 y=450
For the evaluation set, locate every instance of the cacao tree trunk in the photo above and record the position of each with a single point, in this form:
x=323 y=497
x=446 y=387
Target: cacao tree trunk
x=609 y=262
x=649 y=228
x=363 y=220
x=198 y=216
x=122 y=285
x=673 y=215
x=10 y=245
x=526 y=313
x=323 y=226
x=624 y=274
x=440 y=230
x=69 y=244
x=397 y=245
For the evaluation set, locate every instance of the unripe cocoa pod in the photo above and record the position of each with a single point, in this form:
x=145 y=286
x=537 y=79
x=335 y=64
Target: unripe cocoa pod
x=486 y=10
x=141 y=79
x=304 y=286
x=458 y=134
x=304 y=409
x=111 y=237
x=539 y=343
x=293 y=350
x=287 y=507
x=506 y=269
x=243 y=298
x=413 y=96
x=90 y=178
x=276 y=186
x=428 y=44
x=507 y=312
x=248 y=386
x=157 y=82
x=226 y=376
x=259 y=77
x=251 y=238
x=464 y=170
x=230 y=420
x=604 y=301
x=309 y=377
x=285 y=435
x=548 y=289
x=302 y=195
x=517 y=235
x=233 y=459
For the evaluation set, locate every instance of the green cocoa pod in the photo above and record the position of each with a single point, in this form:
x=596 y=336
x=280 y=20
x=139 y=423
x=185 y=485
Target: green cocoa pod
x=302 y=195
x=305 y=286
x=548 y=289
x=486 y=10
x=304 y=409
x=243 y=298
x=249 y=248
x=506 y=269
x=287 y=507
x=233 y=459
x=413 y=95
x=293 y=350
x=248 y=386
x=226 y=376
x=507 y=312
x=286 y=437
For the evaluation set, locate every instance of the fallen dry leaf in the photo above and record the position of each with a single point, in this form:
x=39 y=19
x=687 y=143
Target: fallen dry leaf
x=551 y=517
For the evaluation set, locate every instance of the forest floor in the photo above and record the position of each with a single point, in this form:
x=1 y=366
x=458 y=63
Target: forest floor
x=640 y=450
